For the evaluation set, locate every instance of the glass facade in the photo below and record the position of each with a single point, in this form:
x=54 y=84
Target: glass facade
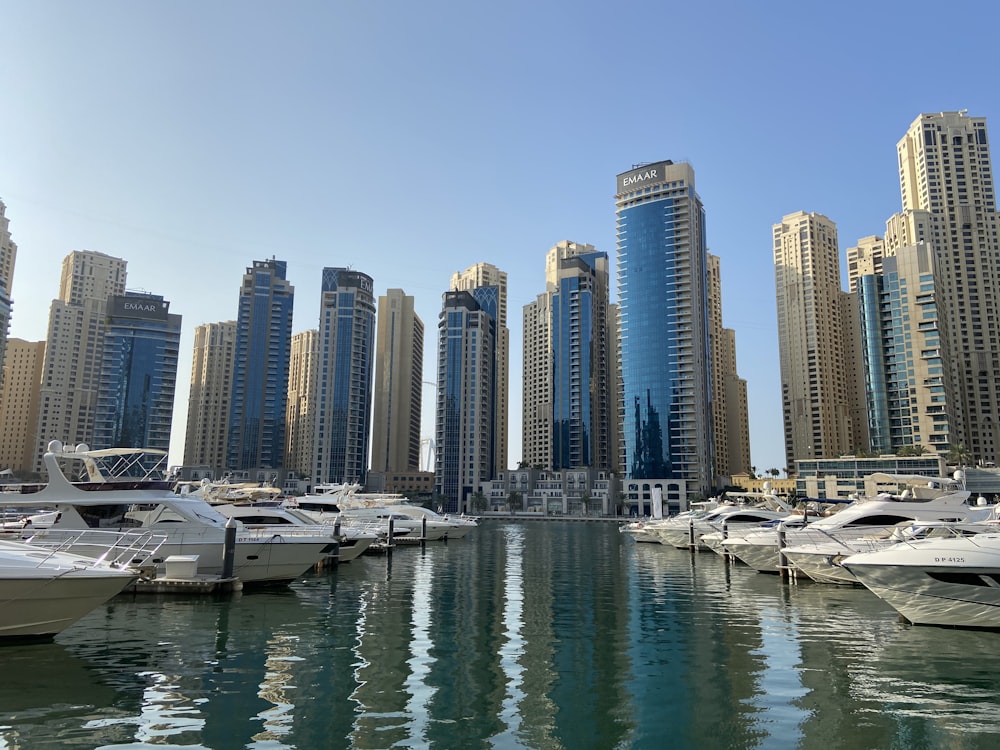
x=344 y=379
x=665 y=372
x=135 y=400
x=256 y=438
x=466 y=403
x=577 y=328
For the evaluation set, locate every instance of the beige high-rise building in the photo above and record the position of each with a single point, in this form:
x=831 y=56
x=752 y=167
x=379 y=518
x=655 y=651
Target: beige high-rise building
x=536 y=391
x=946 y=183
x=300 y=413
x=8 y=255
x=211 y=392
x=813 y=338
x=569 y=407
x=864 y=258
x=729 y=390
x=488 y=284
x=75 y=347
x=398 y=392
x=22 y=375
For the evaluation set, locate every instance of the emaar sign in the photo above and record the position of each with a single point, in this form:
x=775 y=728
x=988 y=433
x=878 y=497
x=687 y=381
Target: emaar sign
x=648 y=174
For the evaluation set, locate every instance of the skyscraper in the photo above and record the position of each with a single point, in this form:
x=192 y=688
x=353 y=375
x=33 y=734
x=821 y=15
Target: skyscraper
x=256 y=438
x=135 y=402
x=569 y=359
x=904 y=341
x=729 y=390
x=344 y=376
x=814 y=331
x=465 y=426
x=19 y=404
x=74 y=351
x=488 y=284
x=300 y=417
x=210 y=396
x=663 y=328
x=399 y=367
x=946 y=182
x=8 y=255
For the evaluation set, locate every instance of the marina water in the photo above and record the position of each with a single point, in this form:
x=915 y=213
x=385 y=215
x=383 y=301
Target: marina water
x=526 y=634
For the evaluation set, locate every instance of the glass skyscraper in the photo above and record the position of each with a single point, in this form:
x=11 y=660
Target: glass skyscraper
x=664 y=339
x=464 y=428
x=344 y=376
x=581 y=392
x=135 y=400
x=256 y=437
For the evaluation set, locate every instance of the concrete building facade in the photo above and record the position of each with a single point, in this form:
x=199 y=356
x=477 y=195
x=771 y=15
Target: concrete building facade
x=209 y=397
x=398 y=391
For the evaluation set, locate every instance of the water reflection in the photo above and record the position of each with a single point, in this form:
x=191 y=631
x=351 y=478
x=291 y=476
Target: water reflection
x=526 y=635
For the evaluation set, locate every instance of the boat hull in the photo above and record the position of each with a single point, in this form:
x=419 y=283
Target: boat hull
x=938 y=582
x=36 y=607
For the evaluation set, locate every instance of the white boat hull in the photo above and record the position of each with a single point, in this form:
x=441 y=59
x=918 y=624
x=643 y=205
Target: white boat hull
x=36 y=607
x=954 y=582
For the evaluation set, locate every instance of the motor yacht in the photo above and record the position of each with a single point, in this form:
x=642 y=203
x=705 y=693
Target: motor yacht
x=953 y=581
x=45 y=590
x=924 y=499
x=823 y=561
x=686 y=531
x=327 y=509
x=121 y=491
x=351 y=542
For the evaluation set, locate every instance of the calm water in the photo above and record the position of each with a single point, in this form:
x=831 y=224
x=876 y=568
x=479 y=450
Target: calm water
x=524 y=635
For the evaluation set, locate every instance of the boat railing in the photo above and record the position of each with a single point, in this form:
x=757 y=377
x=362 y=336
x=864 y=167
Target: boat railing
x=119 y=549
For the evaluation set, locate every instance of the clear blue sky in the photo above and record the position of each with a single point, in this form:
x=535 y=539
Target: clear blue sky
x=411 y=140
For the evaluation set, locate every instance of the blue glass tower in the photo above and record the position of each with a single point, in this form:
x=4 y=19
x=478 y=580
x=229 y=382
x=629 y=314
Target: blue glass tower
x=664 y=332
x=466 y=404
x=344 y=376
x=256 y=437
x=135 y=400
x=581 y=388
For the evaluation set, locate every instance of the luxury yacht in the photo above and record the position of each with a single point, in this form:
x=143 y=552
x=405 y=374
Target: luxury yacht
x=121 y=492
x=45 y=590
x=951 y=581
x=928 y=499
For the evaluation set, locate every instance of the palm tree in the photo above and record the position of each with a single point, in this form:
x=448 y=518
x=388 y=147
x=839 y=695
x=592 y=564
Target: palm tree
x=478 y=501
x=774 y=473
x=959 y=456
x=515 y=501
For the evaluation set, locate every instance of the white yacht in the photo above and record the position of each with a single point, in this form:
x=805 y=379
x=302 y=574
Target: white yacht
x=122 y=492
x=823 y=561
x=327 y=508
x=44 y=591
x=927 y=499
x=952 y=581
x=685 y=532
x=351 y=542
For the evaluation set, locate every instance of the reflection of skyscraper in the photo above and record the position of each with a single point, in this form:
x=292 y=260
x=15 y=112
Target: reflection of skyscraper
x=74 y=348
x=211 y=391
x=946 y=182
x=568 y=364
x=260 y=380
x=464 y=416
x=135 y=402
x=399 y=363
x=488 y=284
x=663 y=326
x=344 y=376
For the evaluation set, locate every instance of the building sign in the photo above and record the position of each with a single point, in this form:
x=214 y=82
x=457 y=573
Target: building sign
x=644 y=176
x=145 y=308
